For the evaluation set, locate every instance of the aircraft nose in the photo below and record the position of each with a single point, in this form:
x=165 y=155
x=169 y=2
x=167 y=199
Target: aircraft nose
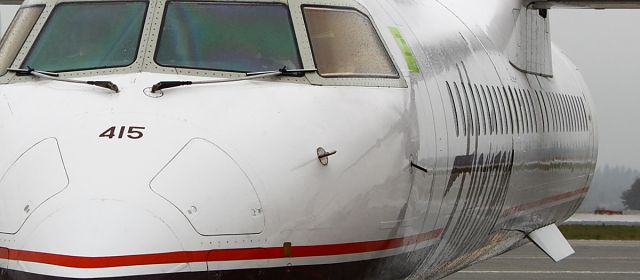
x=98 y=238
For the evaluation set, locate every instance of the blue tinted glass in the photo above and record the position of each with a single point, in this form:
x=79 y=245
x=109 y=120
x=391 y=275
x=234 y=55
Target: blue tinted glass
x=239 y=37
x=88 y=35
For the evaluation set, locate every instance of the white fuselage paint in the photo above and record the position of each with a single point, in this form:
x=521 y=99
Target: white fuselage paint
x=483 y=192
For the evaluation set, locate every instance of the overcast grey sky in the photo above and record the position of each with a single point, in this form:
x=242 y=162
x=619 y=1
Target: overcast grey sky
x=605 y=45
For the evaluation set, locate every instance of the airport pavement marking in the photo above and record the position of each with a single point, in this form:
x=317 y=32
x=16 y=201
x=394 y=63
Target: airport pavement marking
x=547 y=272
x=571 y=258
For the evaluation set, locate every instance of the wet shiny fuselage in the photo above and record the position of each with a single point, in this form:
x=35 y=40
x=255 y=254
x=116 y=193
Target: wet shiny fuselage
x=455 y=167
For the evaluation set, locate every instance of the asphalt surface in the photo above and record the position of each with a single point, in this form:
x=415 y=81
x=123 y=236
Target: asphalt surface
x=612 y=260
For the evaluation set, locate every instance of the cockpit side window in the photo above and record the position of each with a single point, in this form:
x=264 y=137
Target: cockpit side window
x=89 y=35
x=16 y=35
x=345 y=44
x=227 y=36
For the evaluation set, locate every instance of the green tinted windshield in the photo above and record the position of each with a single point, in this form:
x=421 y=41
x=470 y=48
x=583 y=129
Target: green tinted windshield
x=238 y=37
x=89 y=35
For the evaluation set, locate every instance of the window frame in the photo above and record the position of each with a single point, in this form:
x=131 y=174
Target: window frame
x=474 y=124
x=306 y=52
x=454 y=108
x=585 y=110
x=526 y=113
x=50 y=6
x=543 y=117
x=3 y=40
x=552 y=112
x=533 y=110
x=158 y=14
x=516 y=110
x=501 y=116
x=581 y=120
x=483 y=112
x=165 y=7
x=464 y=109
x=574 y=104
x=349 y=11
x=144 y=61
x=558 y=113
x=493 y=115
x=509 y=114
x=55 y=10
x=565 y=113
x=502 y=110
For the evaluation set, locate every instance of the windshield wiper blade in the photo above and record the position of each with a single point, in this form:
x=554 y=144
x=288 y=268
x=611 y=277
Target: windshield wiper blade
x=56 y=77
x=249 y=76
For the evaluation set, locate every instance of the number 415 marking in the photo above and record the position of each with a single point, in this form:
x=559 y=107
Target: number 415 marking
x=133 y=132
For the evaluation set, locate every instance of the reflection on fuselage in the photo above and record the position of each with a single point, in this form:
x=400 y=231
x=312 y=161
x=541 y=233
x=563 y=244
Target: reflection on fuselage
x=447 y=151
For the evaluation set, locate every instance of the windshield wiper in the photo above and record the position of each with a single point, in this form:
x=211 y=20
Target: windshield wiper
x=249 y=76
x=56 y=77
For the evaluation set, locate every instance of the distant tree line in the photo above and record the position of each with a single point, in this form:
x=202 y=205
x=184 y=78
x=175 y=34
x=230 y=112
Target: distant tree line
x=631 y=197
x=607 y=188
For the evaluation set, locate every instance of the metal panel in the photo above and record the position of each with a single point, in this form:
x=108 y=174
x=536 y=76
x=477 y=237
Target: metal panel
x=585 y=4
x=211 y=190
x=530 y=45
x=23 y=193
x=552 y=242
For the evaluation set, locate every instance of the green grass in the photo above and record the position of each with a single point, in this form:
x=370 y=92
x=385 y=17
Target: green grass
x=577 y=232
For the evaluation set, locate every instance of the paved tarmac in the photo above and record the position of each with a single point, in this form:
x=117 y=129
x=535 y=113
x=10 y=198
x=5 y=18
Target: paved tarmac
x=611 y=260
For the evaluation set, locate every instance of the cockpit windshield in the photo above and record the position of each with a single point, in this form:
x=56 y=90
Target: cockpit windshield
x=88 y=35
x=227 y=36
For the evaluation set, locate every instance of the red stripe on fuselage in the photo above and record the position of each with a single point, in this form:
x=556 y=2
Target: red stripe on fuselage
x=110 y=261
x=362 y=247
x=250 y=253
x=217 y=255
x=544 y=201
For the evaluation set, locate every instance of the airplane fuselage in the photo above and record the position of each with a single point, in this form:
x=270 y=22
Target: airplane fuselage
x=454 y=160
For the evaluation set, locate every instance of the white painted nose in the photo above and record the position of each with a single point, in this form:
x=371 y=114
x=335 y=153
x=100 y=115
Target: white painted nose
x=211 y=190
x=36 y=176
x=95 y=238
